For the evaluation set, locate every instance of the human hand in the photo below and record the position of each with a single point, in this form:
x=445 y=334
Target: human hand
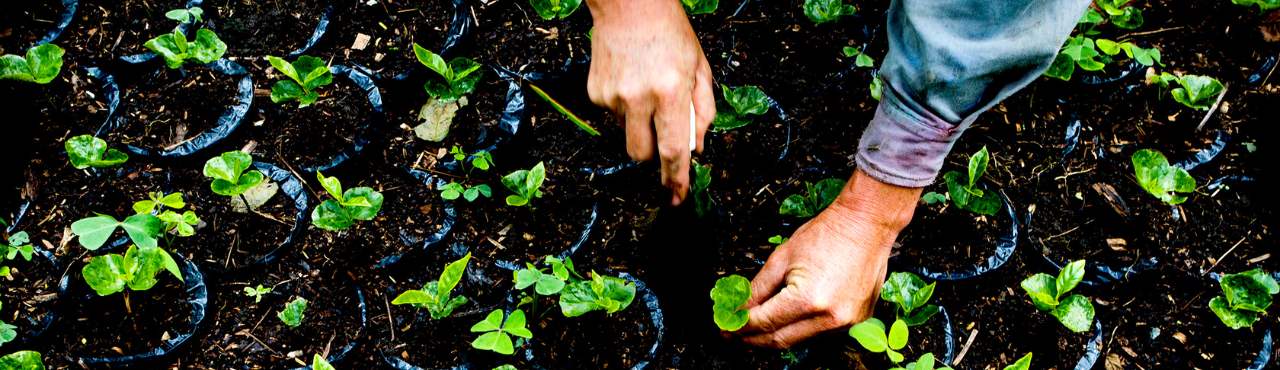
x=647 y=66
x=828 y=275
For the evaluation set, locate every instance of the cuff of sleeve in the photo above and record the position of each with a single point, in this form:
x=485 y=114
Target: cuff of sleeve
x=904 y=147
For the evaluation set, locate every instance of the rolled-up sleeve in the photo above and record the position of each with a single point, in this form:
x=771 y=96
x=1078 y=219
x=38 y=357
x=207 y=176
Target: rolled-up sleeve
x=949 y=61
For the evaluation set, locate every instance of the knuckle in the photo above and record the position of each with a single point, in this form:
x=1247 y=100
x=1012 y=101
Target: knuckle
x=777 y=341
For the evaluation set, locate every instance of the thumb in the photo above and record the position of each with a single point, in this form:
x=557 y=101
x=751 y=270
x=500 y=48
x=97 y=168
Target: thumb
x=771 y=277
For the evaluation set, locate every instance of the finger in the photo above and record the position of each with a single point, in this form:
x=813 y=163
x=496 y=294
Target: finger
x=639 y=125
x=672 y=121
x=598 y=91
x=704 y=100
x=791 y=334
x=770 y=279
x=785 y=308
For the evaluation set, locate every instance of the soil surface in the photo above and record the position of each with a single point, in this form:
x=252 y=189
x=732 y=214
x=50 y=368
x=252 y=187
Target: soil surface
x=250 y=28
x=310 y=137
x=157 y=112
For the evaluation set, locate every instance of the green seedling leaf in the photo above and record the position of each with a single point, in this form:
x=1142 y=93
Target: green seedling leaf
x=436 y=296
x=1198 y=92
x=294 y=312
x=932 y=198
x=861 y=59
x=728 y=296
x=823 y=11
x=319 y=363
x=1159 y=178
x=1249 y=291
x=909 y=293
x=22 y=360
x=816 y=199
x=257 y=292
x=525 y=184
x=1069 y=277
x=86 y=151
x=191 y=15
x=176 y=50
x=1075 y=313
x=231 y=174
x=41 y=64
x=696 y=7
x=496 y=335
x=1263 y=5
x=1042 y=290
x=701 y=182
x=1233 y=318
x=601 y=293
x=876 y=88
x=871 y=335
x=94 y=231
x=136 y=270
x=339 y=213
x=331 y=216
x=552 y=9
x=458 y=77
x=1023 y=363
x=305 y=75
x=963 y=188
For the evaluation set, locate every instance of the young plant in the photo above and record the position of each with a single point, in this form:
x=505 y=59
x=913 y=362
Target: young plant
x=727 y=297
x=231 y=174
x=1145 y=56
x=778 y=239
x=497 y=333
x=926 y=362
x=360 y=203
x=436 y=296
x=458 y=77
x=1166 y=182
x=257 y=292
x=701 y=181
x=816 y=199
x=552 y=9
x=41 y=65
x=542 y=282
x=294 y=312
x=909 y=292
x=319 y=363
x=1078 y=51
x=481 y=160
x=964 y=190
x=1193 y=91
x=16 y=244
x=142 y=229
x=1244 y=296
x=180 y=224
x=453 y=190
x=192 y=15
x=1263 y=5
x=1075 y=311
x=696 y=7
x=872 y=336
x=876 y=88
x=136 y=270
x=823 y=11
x=177 y=50
x=305 y=75
x=745 y=101
x=8 y=332
x=86 y=151
x=602 y=293
x=525 y=185
x=932 y=198
x=861 y=59
x=1121 y=13
x=22 y=360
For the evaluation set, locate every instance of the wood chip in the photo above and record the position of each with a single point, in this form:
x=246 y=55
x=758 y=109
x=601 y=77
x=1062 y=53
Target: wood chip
x=1270 y=27
x=1117 y=244
x=1115 y=362
x=1113 y=198
x=1182 y=338
x=362 y=41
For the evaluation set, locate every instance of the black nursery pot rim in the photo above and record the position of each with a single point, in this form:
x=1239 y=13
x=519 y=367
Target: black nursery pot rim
x=197 y=297
x=42 y=327
x=367 y=129
x=1086 y=78
x=227 y=123
x=338 y=356
x=420 y=247
x=322 y=26
x=1006 y=244
x=651 y=306
x=461 y=25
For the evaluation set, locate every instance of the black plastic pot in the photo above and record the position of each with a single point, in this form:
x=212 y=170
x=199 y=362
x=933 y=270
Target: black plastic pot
x=645 y=299
x=338 y=355
x=1003 y=250
x=68 y=13
x=1108 y=77
x=197 y=298
x=423 y=244
x=370 y=127
x=33 y=330
x=226 y=124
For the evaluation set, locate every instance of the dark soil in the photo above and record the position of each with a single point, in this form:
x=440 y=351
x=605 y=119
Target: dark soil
x=250 y=27
x=22 y=23
x=515 y=37
x=97 y=326
x=157 y=112
x=104 y=30
x=310 y=137
x=391 y=27
x=951 y=239
x=30 y=296
x=594 y=340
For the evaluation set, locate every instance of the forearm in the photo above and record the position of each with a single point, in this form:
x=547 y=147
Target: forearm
x=949 y=61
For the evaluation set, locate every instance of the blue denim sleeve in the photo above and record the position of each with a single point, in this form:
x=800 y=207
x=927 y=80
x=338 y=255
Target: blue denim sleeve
x=949 y=61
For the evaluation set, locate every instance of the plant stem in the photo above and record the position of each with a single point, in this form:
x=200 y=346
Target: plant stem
x=127 y=308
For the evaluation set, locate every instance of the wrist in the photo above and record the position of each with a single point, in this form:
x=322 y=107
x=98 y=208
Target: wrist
x=871 y=202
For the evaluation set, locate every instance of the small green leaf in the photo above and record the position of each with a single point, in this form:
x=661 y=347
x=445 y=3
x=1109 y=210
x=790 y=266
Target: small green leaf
x=22 y=360
x=696 y=7
x=143 y=229
x=1159 y=178
x=365 y=211
x=823 y=11
x=86 y=151
x=294 y=312
x=94 y=231
x=728 y=296
x=1023 y=363
x=898 y=335
x=1042 y=290
x=1069 y=277
x=319 y=363
x=871 y=335
x=433 y=61
x=105 y=274
x=747 y=100
x=331 y=216
x=1235 y=319
x=1075 y=313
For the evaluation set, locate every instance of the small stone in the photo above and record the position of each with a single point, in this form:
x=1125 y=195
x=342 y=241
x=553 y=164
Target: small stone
x=1117 y=244
x=362 y=41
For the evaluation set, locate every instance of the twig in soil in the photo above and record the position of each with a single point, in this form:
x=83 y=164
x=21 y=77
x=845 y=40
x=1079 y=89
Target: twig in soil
x=234 y=239
x=1069 y=174
x=390 y=325
x=1268 y=78
x=973 y=334
x=1224 y=255
x=1148 y=33
x=301 y=179
x=260 y=342
x=1214 y=108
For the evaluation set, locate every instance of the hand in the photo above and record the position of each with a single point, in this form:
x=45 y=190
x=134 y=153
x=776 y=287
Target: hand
x=828 y=275
x=647 y=66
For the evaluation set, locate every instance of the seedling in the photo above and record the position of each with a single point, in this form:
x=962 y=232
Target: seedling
x=861 y=59
x=696 y=7
x=525 y=185
x=453 y=190
x=1166 y=182
x=177 y=50
x=1244 y=296
x=1075 y=311
x=360 y=203
x=872 y=336
x=191 y=15
x=964 y=190
x=136 y=270
x=481 y=159
x=231 y=174
x=294 y=312
x=1193 y=91
x=16 y=244
x=602 y=293
x=876 y=88
x=552 y=9
x=1147 y=57
x=458 y=77
x=823 y=11
x=180 y=224
x=142 y=229
x=319 y=363
x=1094 y=54
x=497 y=333
x=745 y=101
x=727 y=297
x=1023 y=363
x=41 y=65
x=505 y=367
x=778 y=240
x=909 y=292
x=22 y=360
x=1122 y=14
x=926 y=362
x=1263 y=5
x=305 y=75
x=8 y=332
x=816 y=198
x=542 y=282
x=701 y=181
x=86 y=151
x=436 y=296
x=932 y=198
x=257 y=292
